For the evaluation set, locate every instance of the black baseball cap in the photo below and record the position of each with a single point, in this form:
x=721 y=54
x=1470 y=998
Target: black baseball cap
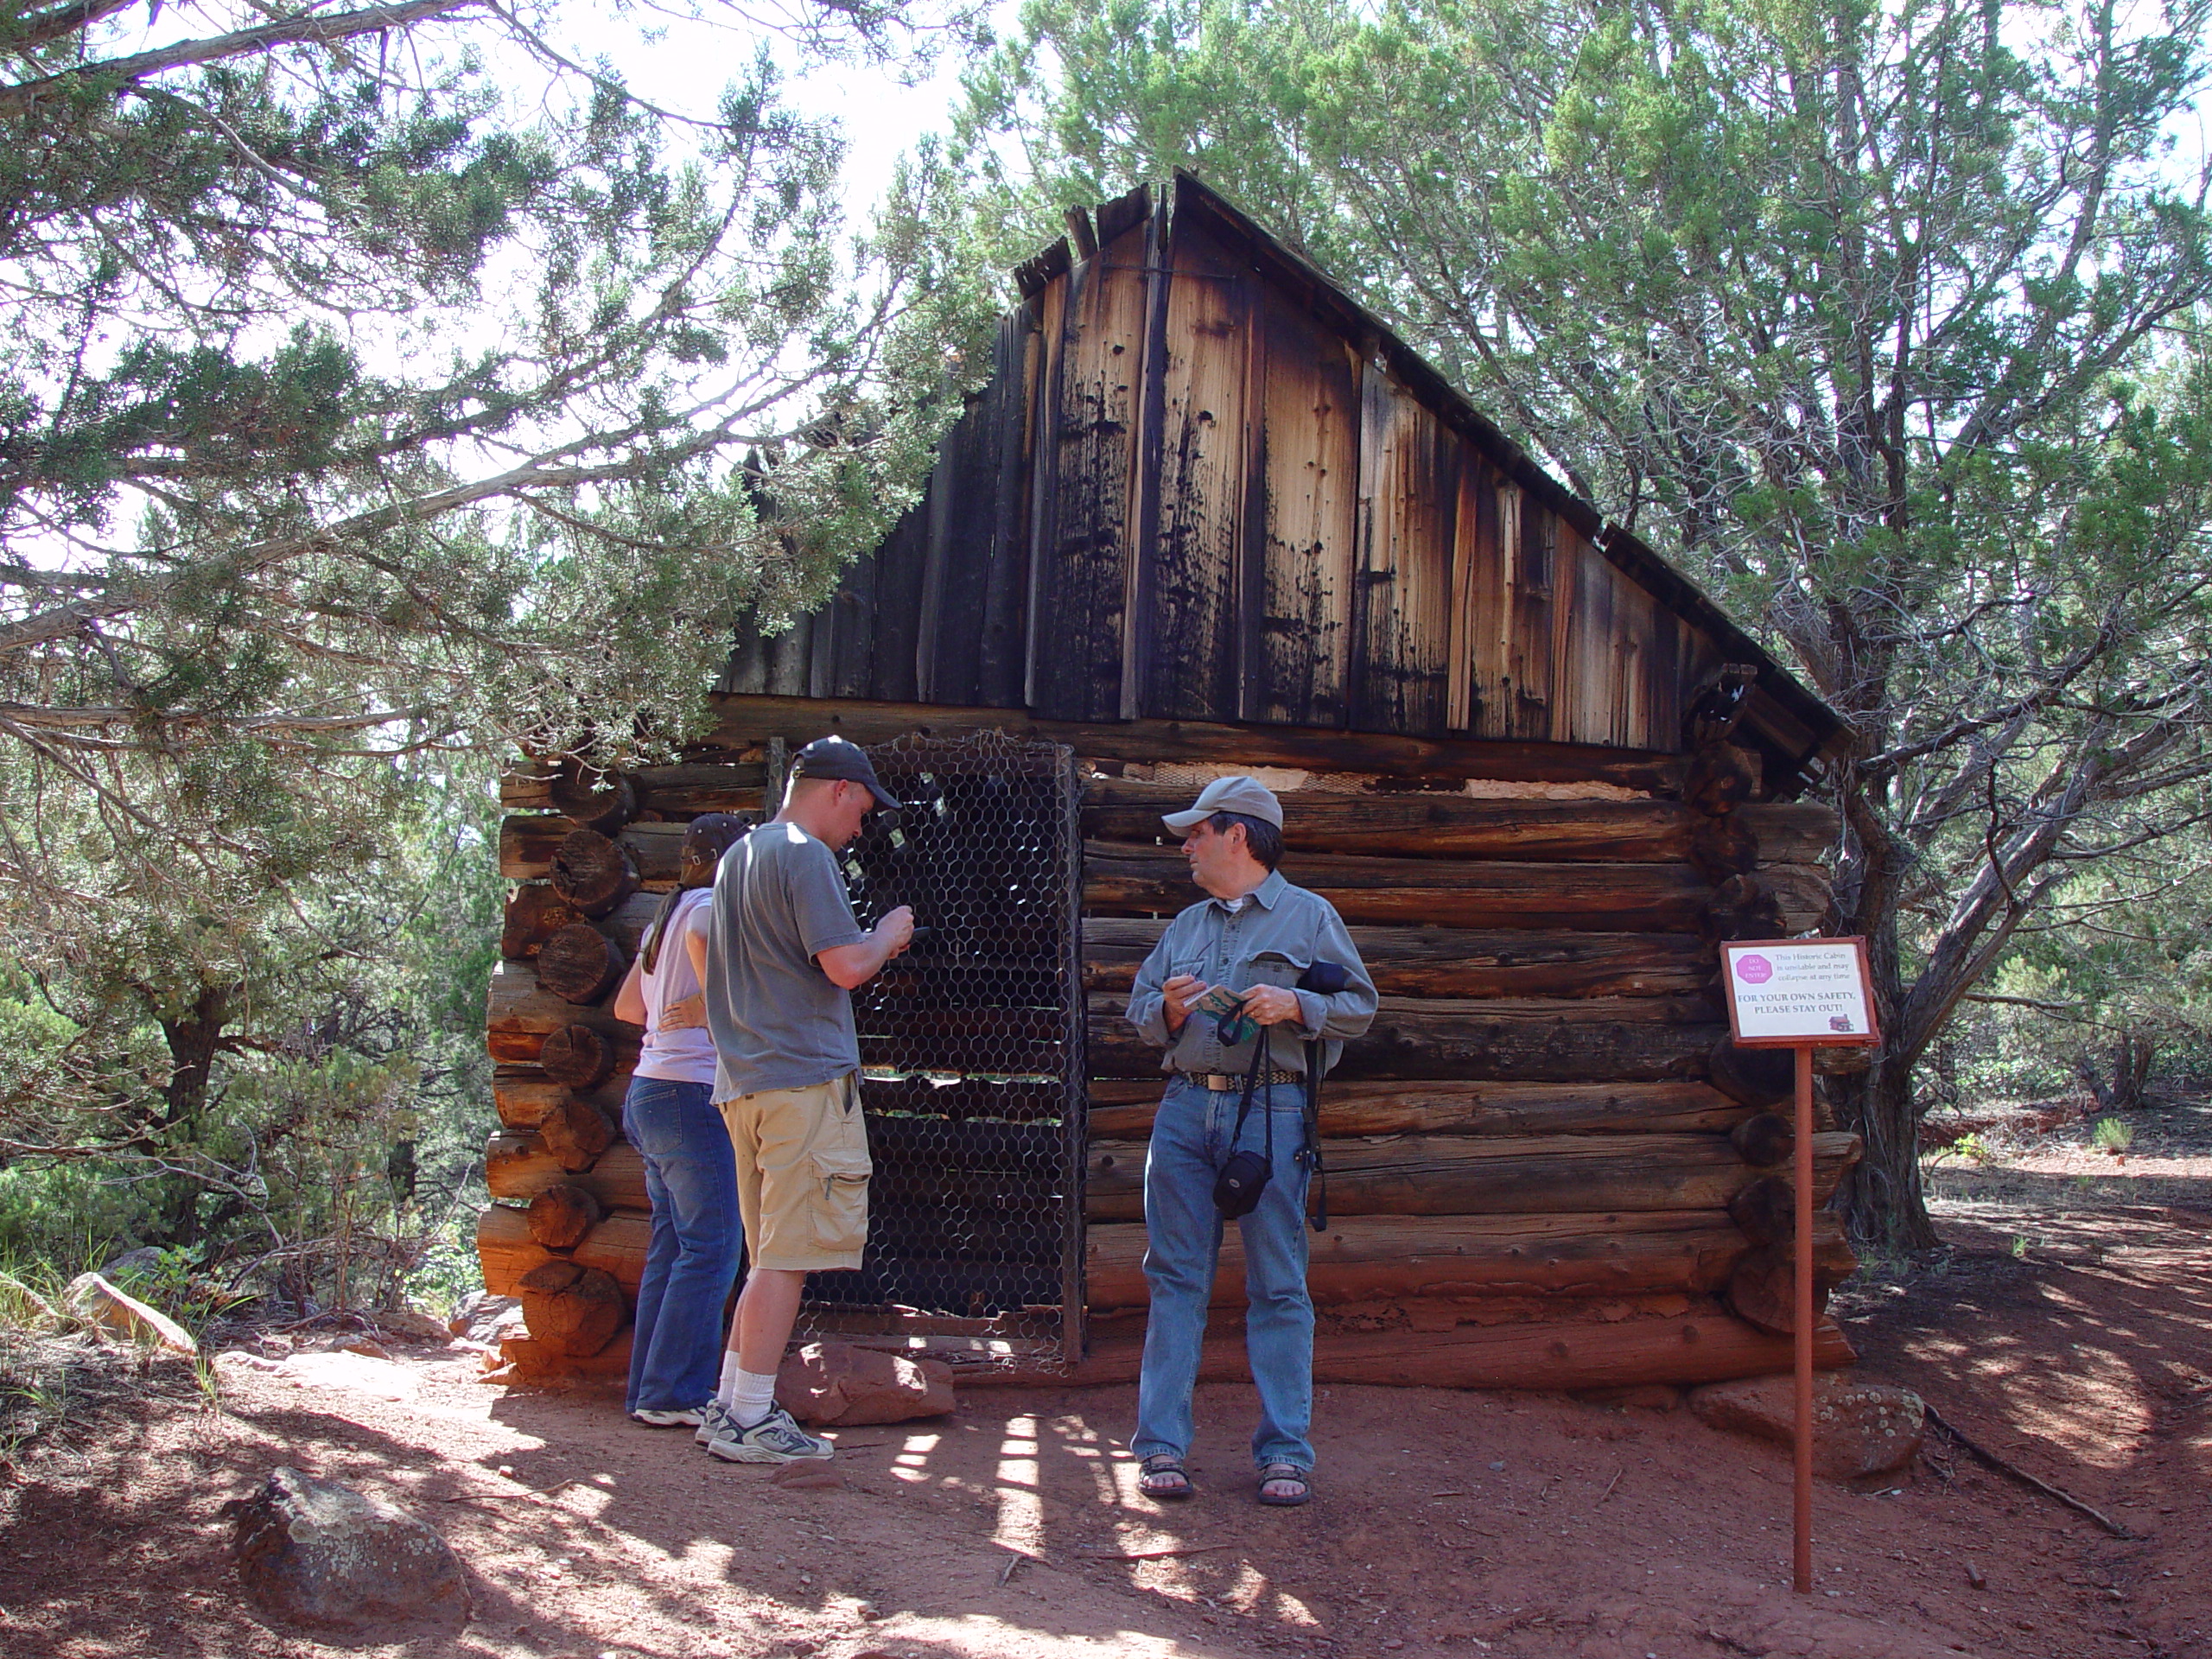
x=836 y=758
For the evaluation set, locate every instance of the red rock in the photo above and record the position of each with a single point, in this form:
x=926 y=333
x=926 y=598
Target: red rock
x=835 y=1383
x=1858 y=1428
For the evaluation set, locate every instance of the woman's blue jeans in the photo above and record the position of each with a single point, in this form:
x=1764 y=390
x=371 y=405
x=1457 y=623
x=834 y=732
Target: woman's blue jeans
x=676 y=1352
x=1191 y=1142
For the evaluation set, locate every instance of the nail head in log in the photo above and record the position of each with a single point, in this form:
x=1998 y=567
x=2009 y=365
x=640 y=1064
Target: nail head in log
x=1764 y=1141
x=580 y=965
x=591 y=798
x=592 y=873
x=561 y=1216
x=575 y=1132
x=1754 y=1076
x=581 y=1317
x=577 y=1056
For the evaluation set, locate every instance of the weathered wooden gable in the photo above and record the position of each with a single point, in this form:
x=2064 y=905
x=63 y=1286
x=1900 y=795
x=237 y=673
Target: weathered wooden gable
x=1202 y=485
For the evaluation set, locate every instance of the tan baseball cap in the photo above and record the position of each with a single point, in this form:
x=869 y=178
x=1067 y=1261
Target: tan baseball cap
x=1247 y=795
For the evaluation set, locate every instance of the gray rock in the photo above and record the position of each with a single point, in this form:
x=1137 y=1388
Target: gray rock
x=1858 y=1428
x=408 y=1325
x=483 y=1318
x=315 y=1553
x=147 y=1258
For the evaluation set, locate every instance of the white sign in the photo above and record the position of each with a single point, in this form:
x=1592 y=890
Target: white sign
x=1792 y=991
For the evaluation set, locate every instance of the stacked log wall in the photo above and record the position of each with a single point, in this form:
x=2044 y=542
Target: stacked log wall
x=1531 y=1134
x=1546 y=1128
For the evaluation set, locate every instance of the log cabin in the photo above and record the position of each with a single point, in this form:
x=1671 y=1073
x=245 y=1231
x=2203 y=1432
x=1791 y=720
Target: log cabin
x=1209 y=515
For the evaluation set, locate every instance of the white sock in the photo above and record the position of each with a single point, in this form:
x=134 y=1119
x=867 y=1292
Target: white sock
x=754 y=1398
x=727 y=1388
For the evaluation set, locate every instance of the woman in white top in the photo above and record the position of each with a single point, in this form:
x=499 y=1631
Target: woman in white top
x=690 y=1172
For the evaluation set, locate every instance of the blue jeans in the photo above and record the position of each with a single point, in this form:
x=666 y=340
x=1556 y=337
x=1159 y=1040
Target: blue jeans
x=676 y=1354
x=1191 y=1142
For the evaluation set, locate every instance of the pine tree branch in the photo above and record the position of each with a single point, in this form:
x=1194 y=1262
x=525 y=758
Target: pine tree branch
x=61 y=621
x=63 y=20
x=72 y=718
x=310 y=27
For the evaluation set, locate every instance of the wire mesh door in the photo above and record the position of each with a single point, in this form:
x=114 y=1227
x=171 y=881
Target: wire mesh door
x=972 y=1053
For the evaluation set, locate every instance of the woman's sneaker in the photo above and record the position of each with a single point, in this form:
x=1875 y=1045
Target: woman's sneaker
x=774 y=1438
x=682 y=1417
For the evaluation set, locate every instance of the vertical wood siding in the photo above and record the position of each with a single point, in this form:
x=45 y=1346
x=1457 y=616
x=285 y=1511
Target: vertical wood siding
x=1189 y=623
x=1409 y=487
x=1087 y=470
x=975 y=559
x=1295 y=648
x=1198 y=487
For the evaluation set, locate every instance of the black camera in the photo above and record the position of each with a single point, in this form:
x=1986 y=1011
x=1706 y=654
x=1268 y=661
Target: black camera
x=1236 y=1190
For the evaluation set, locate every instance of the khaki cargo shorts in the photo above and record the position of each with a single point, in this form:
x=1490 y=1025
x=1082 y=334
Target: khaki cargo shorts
x=802 y=1174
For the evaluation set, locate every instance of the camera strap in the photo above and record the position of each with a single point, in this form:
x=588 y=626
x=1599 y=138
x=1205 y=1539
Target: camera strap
x=1245 y=1106
x=1318 y=1216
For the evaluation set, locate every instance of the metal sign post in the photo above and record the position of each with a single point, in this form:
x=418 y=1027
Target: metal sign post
x=1801 y=995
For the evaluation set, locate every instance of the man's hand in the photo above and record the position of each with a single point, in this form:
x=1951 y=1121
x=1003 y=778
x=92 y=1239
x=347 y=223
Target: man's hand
x=896 y=930
x=687 y=1015
x=1178 y=995
x=1271 y=1004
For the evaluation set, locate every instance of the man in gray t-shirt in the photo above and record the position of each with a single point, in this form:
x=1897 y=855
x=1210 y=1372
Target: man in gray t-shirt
x=778 y=1020
x=785 y=953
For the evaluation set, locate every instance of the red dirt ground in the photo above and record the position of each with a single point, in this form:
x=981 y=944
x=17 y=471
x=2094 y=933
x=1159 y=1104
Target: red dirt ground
x=1527 y=1527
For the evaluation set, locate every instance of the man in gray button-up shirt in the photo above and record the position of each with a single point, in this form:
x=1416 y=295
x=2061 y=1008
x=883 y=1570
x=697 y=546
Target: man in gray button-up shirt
x=1254 y=936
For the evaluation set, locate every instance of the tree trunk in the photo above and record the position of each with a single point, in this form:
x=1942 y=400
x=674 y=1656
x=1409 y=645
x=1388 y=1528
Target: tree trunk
x=192 y=1042
x=1882 y=1201
x=1882 y=1197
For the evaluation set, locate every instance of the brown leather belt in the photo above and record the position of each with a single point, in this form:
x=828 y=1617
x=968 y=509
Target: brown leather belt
x=1222 y=1085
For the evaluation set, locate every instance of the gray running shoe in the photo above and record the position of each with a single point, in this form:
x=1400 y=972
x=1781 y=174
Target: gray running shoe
x=682 y=1417
x=714 y=1419
x=774 y=1438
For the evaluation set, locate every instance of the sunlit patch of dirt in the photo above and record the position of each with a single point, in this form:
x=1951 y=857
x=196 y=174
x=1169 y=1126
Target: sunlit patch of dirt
x=2066 y=1327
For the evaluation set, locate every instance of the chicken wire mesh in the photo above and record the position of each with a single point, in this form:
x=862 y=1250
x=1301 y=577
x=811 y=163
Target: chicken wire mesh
x=971 y=1051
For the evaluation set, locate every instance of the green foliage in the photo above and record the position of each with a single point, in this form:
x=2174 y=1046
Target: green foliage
x=365 y=414
x=68 y=1215
x=1974 y=1148
x=2112 y=1136
x=1885 y=322
x=335 y=1128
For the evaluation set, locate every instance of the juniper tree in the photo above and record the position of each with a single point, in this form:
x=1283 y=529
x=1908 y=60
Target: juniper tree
x=364 y=412
x=1884 y=321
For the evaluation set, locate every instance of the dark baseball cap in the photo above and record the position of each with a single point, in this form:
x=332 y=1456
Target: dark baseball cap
x=710 y=834
x=835 y=759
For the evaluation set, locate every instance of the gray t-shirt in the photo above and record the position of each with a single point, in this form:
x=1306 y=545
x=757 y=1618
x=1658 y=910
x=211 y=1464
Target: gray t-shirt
x=778 y=1020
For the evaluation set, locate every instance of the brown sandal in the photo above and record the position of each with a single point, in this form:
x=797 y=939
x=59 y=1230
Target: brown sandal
x=1162 y=1478
x=1285 y=1474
